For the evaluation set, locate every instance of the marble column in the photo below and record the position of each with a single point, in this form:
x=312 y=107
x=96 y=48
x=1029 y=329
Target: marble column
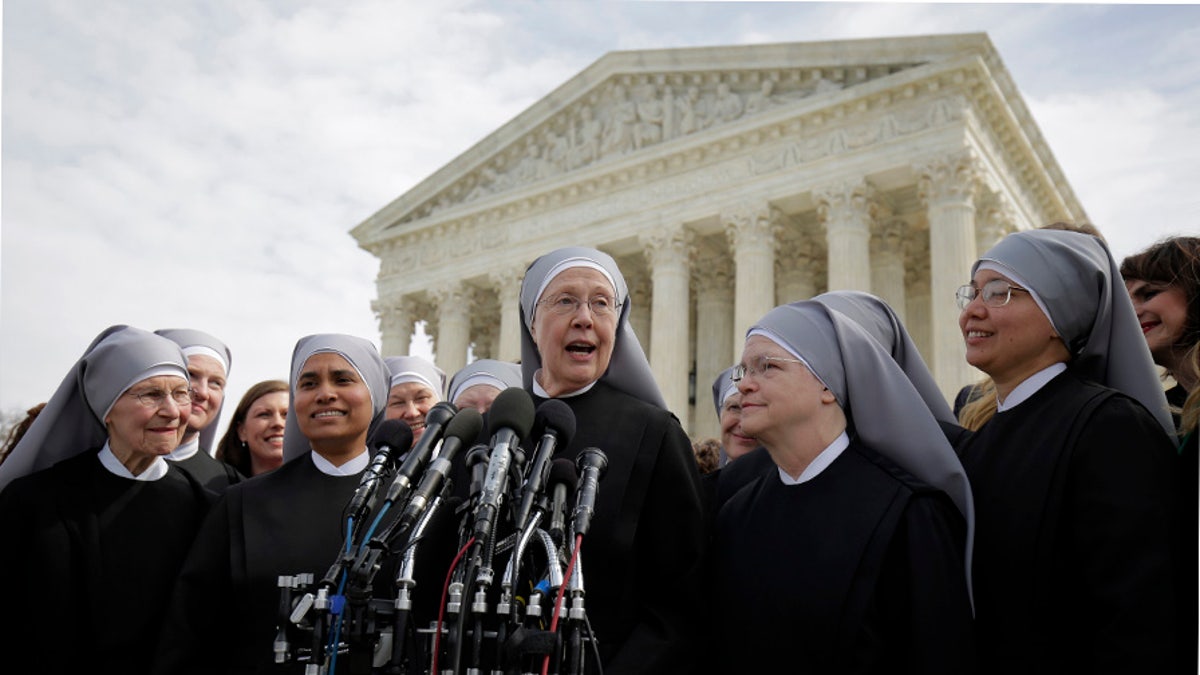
x=668 y=250
x=454 y=326
x=396 y=319
x=508 y=290
x=751 y=231
x=887 y=265
x=797 y=268
x=847 y=210
x=639 y=312
x=715 y=340
x=947 y=187
x=995 y=218
x=917 y=314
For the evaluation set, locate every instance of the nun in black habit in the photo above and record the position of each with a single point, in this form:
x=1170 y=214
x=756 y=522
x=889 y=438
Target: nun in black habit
x=208 y=363
x=95 y=523
x=480 y=382
x=643 y=558
x=1072 y=476
x=852 y=556
x=285 y=522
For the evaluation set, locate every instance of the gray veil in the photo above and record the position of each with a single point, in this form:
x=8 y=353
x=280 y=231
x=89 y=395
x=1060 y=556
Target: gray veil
x=188 y=338
x=628 y=370
x=1079 y=283
x=499 y=374
x=403 y=369
x=73 y=420
x=362 y=355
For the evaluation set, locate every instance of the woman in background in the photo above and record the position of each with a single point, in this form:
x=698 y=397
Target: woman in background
x=416 y=385
x=253 y=443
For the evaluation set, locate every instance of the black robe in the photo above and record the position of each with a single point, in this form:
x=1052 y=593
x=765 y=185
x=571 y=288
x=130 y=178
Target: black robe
x=858 y=570
x=1073 y=497
x=209 y=471
x=224 y=609
x=88 y=562
x=644 y=557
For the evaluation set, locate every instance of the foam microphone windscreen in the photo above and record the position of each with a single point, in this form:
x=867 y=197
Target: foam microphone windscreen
x=394 y=434
x=512 y=409
x=556 y=416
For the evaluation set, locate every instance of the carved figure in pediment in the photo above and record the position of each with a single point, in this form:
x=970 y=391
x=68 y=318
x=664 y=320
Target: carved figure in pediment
x=651 y=115
x=587 y=139
x=690 y=113
x=618 y=133
x=758 y=101
x=531 y=167
x=560 y=150
x=726 y=108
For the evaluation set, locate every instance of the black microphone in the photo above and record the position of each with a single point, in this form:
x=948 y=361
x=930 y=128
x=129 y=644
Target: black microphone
x=555 y=423
x=591 y=464
x=414 y=463
x=390 y=440
x=477 y=463
x=509 y=420
x=562 y=482
x=461 y=431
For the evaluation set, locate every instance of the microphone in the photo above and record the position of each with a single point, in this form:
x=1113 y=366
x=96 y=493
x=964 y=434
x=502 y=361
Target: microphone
x=509 y=420
x=435 y=425
x=477 y=461
x=562 y=481
x=461 y=431
x=591 y=464
x=390 y=439
x=555 y=423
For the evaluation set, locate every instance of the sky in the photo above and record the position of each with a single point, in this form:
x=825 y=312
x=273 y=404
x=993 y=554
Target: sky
x=200 y=163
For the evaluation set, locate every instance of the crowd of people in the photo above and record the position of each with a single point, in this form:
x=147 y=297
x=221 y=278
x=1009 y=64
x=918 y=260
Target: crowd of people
x=847 y=520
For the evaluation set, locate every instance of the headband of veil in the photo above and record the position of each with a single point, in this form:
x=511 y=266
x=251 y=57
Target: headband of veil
x=879 y=320
x=361 y=355
x=73 y=420
x=628 y=369
x=1077 y=281
x=196 y=342
x=499 y=374
x=416 y=369
x=882 y=407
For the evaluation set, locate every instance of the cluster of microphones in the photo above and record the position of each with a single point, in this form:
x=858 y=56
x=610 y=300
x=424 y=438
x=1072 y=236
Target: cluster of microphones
x=512 y=599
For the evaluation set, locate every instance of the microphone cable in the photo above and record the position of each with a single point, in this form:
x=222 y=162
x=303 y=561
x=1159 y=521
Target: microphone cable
x=437 y=635
x=559 y=600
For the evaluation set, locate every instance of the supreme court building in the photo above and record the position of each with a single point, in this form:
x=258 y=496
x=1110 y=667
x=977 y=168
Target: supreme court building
x=725 y=181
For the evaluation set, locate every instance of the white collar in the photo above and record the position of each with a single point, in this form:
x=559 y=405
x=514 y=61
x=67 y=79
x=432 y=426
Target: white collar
x=1029 y=387
x=157 y=469
x=819 y=463
x=350 y=468
x=539 y=391
x=185 y=450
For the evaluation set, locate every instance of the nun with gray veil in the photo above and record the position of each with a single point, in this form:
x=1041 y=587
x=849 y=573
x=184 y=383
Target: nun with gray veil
x=1073 y=474
x=479 y=383
x=644 y=556
x=853 y=554
x=287 y=521
x=95 y=523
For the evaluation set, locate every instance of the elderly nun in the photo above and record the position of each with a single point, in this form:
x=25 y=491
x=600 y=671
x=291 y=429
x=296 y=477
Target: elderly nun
x=208 y=366
x=285 y=522
x=853 y=554
x=95 y=523
x=480 y=382
x=1072 y=476
x=416 y=386
x=644 y=555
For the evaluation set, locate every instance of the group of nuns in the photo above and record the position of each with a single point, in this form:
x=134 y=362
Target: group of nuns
x=867 y=533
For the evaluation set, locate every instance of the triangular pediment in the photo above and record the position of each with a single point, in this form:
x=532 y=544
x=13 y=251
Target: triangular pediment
x=639 y=101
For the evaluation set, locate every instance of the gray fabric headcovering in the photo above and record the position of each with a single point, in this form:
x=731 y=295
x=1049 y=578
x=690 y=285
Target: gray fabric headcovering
x=1080 y=284
x=362 y=355
x=72 y=421
x=504 y=373
x=879 y=320
x=882 y=407
x=423 y=369
x=187 y=337
x=628 y=370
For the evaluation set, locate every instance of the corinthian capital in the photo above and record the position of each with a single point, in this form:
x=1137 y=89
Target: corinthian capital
x=751 y=224
x=852 y=201
x=949 y=178
x=666 y=245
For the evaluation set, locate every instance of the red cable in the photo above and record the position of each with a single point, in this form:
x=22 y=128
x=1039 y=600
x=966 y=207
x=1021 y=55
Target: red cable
x=437 y=636
x=559 y=599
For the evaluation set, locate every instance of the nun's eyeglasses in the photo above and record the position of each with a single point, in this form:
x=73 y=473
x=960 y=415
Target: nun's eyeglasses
x=567 y=305
x=995 y=293
x=156 y=398
x=759 y=365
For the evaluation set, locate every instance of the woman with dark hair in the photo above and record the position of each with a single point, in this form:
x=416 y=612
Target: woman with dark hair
x=1072 y=475
x=644 y=554
x=253 y=443
x=284 y=522
x=94 y=522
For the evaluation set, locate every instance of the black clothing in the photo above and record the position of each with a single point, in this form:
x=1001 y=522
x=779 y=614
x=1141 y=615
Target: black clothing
x=1187 y=522
x=88 y=560
x=644 y=556
x=1072 y=568
x=209 y=472
x=858 y=570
